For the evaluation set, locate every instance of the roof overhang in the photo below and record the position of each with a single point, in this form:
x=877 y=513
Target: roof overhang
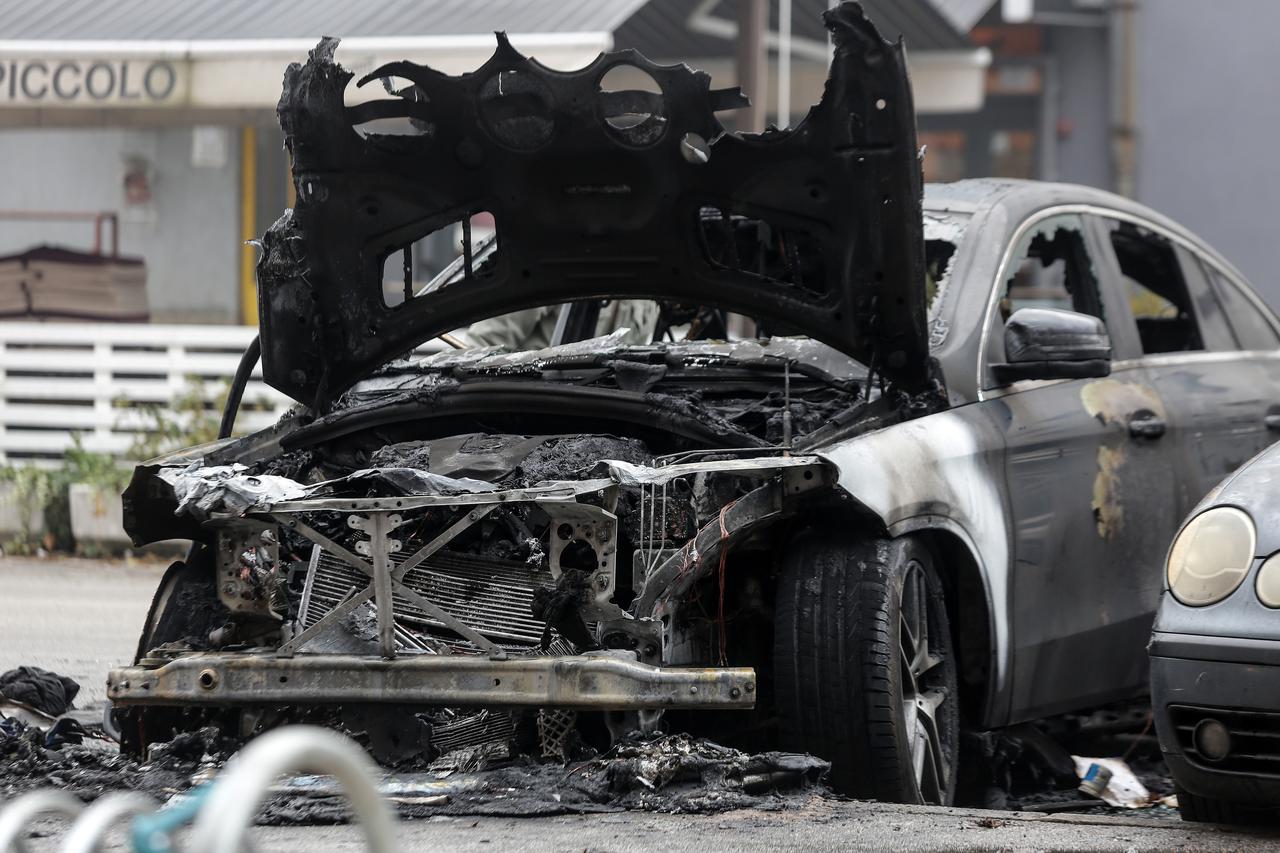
x=944 y=81
x=236 y=73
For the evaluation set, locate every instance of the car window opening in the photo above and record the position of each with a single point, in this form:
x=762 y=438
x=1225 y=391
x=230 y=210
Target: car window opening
x=1053 y=270
x=1156 y=290
x=938 y=255
x=1251 y=326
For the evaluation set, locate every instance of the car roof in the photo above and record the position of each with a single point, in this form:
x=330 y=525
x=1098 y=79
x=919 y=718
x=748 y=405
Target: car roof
x=977 y=196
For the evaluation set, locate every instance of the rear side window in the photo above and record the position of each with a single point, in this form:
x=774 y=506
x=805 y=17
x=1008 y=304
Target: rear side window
x=1153 y=285
x=1215 y=331
x=1252 y=327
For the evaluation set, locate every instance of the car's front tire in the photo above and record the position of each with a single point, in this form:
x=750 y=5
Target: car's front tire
x=864 y=671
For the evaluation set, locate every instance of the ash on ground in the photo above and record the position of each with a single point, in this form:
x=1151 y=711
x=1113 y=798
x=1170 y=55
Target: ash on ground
x=662 y=773
x=89 y=764
x=667 y=773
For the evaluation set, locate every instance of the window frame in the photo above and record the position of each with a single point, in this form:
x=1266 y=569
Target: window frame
x=1211 y=270
x=1121 y=348
x=1117 y=318
x=1180 y=249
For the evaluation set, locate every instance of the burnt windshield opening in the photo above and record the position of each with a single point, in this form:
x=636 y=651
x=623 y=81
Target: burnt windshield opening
x=937 y=263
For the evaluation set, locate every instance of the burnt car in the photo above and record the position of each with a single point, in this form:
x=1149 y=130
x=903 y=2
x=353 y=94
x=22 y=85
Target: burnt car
x=931 y=492
x=1215 y=652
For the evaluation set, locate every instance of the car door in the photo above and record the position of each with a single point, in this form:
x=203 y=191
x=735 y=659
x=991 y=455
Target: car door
x=1256 y=333
x=1218 y=395
x=1090 y=486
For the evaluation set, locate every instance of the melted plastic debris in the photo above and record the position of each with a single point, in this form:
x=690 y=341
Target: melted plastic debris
x=220 y=489
x=204 y=491
x=94 y=766
x=492 y=356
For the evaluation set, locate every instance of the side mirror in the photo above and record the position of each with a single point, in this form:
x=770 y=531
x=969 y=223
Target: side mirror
x=1050 y=343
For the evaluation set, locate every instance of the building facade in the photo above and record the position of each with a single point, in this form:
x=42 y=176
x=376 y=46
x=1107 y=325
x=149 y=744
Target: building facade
x=1164 y=101
x=163 y=113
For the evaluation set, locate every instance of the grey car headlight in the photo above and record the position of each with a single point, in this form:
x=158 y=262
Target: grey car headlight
x=1268 y=584
x=1211 y=556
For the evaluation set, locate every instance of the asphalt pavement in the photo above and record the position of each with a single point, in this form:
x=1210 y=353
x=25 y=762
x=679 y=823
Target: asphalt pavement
x=75 y=617
x=80 y=617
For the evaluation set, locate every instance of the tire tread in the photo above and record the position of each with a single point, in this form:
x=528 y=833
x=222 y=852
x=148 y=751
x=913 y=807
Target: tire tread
x=835 y=664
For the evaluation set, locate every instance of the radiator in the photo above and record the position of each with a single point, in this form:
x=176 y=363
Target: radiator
x=493 y=596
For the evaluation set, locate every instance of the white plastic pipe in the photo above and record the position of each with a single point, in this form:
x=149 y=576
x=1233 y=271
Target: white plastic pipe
x=15 y=816
x=240 y=789
x=784 y=63
x=90 y=830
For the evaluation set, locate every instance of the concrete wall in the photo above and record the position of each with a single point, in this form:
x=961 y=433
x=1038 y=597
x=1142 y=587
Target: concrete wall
x=1209 y=125
x=1082 y=106
x=188 y=234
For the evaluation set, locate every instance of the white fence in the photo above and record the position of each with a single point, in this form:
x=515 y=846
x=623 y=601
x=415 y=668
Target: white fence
x=61 y=379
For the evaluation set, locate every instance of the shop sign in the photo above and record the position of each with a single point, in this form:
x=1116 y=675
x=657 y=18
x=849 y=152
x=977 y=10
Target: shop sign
x=64 y=82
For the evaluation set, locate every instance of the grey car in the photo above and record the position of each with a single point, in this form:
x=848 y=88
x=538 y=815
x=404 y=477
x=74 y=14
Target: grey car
x=1215 y=652
x=929 y=488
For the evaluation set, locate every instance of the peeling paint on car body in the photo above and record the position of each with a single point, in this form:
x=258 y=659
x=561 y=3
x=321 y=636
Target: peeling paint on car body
x=1114 y=402
x=1107 y=508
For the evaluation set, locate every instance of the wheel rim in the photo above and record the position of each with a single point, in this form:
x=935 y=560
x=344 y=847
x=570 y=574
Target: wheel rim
x=923 y=689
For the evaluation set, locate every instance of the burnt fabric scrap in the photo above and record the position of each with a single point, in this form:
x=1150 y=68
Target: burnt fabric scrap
x=41 y=689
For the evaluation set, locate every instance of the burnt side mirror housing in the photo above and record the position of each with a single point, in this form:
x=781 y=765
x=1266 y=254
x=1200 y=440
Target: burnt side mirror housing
x=1050 y=343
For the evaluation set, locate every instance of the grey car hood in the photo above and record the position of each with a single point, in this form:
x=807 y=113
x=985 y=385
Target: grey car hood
x=814 y=230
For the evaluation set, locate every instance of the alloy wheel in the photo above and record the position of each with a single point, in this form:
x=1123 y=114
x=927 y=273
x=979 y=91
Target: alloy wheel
x=923 y=689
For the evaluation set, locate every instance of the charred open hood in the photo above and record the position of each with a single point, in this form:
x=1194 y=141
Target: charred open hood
x=592 y=199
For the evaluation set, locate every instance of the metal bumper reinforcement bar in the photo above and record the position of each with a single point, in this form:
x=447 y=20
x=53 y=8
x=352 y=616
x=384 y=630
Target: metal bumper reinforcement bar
x=599 y=682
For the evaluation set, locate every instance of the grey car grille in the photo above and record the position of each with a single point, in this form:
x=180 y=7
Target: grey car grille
x=1255 y=738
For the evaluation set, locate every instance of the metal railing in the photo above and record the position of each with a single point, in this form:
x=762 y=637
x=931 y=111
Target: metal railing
x=220 y=812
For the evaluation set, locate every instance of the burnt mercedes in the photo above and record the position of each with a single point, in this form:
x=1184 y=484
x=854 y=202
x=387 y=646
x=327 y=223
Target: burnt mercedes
x=890 y=461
